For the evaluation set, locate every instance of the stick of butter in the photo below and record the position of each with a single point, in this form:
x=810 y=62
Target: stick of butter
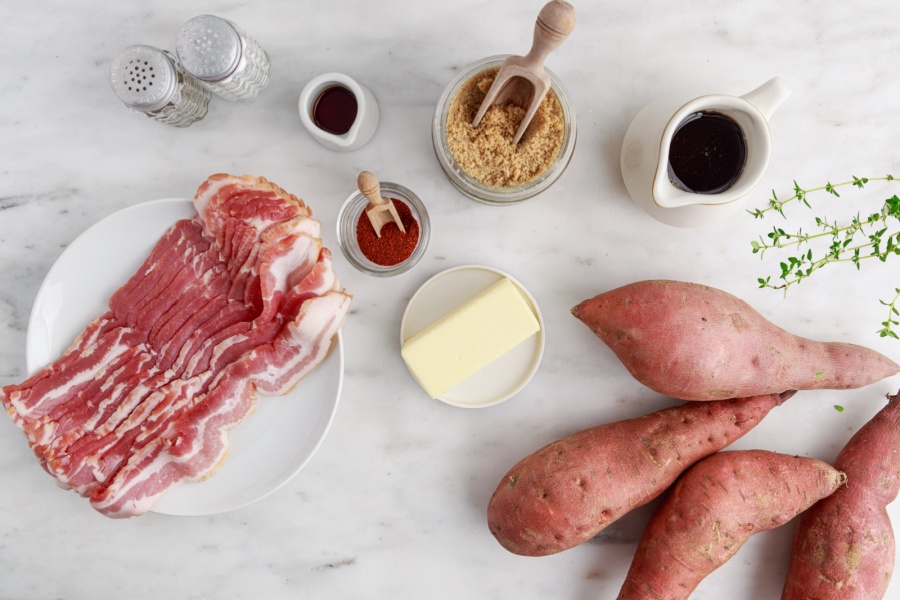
x=469 y=337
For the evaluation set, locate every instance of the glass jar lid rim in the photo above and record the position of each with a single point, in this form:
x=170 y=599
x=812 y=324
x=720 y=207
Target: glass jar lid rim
x=144 y=77
x=209 y=47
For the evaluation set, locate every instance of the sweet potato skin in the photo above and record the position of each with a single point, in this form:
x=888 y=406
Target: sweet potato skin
x=713 y=509
x=695 y=342
x=568 y=491
x=844 y=545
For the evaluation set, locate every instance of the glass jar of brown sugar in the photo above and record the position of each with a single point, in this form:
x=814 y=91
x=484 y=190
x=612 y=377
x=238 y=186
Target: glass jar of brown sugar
x=519 y=177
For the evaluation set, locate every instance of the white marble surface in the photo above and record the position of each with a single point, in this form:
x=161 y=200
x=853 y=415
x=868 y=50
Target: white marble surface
x=393 y=504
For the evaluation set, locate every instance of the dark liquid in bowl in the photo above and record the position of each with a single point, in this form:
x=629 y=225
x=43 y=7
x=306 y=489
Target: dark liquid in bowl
x=707 y=153
x=335 y=110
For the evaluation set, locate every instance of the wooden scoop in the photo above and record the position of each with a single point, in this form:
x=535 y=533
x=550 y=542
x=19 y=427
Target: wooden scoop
x=379 y=211
x=522 y=80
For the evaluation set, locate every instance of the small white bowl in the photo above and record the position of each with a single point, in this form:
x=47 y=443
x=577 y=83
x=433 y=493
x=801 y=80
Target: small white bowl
x=363 y=127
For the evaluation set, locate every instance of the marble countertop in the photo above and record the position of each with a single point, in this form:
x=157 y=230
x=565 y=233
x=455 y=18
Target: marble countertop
x=393 y=504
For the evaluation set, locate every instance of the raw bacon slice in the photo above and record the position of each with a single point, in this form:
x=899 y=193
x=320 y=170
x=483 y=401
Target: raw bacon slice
x=238 y=301
x=198 y=441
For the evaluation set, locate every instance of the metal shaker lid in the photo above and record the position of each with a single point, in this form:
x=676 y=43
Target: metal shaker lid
x=208 y=48
x=143 y=77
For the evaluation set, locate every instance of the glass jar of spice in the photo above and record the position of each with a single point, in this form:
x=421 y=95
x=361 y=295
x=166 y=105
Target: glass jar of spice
x=394 y=252
x=500 y=194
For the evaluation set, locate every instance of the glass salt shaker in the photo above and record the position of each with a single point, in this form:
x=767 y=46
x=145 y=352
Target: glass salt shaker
x=149 y=80
x=222 y=57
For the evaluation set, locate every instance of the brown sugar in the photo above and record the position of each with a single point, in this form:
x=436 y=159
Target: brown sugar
x=487 y=153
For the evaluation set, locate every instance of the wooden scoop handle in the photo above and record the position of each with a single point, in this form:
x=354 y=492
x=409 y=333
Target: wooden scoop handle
x=554 y=24
x=370 y=188
x=380 y=210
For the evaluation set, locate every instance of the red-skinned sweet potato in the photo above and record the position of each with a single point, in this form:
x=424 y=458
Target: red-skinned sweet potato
x=695 y=342
x=568 y=491
x=713 y=509
x=844 y=545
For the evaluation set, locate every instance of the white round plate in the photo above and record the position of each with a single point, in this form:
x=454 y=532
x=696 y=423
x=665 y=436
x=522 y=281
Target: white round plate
x=268 y=448
x=503 y=378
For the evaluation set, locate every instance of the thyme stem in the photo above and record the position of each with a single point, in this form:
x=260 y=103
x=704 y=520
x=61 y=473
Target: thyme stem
x=800 y=193
x=893 y=318
x=875 y=236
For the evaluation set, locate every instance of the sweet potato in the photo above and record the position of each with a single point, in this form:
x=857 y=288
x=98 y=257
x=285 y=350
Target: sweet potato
x=568 y=491
x=694 y=342
x=713 y=509
x=844 y=545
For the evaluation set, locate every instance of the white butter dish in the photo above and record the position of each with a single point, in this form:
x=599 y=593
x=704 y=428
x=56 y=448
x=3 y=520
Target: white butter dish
x=502 y=378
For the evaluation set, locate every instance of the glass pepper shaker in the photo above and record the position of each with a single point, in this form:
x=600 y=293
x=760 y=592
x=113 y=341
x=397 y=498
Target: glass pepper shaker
x=222 y=57
x=149 y=80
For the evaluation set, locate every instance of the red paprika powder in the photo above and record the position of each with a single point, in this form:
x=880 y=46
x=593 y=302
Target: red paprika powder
x=394 y=246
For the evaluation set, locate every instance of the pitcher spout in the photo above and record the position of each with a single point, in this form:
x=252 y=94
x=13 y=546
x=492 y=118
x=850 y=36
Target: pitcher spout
x=667 y=195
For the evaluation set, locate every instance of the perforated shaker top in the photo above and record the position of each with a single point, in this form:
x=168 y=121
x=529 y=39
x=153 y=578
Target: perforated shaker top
x=208 y=48
x=143 y=77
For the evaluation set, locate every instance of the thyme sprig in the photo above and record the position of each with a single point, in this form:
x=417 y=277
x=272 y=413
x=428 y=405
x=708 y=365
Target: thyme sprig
x=800 y=194
x=876 y=235
x=892 y=318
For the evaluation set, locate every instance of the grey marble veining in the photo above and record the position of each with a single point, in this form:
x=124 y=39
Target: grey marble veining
x=393 y=504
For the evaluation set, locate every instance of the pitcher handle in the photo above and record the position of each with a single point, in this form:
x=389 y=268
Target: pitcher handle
x=769 y=96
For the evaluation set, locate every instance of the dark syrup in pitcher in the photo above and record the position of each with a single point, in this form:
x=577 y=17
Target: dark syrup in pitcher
x=335 y=110
x=707 y=153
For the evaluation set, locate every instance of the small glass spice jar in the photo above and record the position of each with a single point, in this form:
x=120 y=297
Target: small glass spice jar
x=489 y=194
x=362 y=249
x=222 y=57
x=150 y=81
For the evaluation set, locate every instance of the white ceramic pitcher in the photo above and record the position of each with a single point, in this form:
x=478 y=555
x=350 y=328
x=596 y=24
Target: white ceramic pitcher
x=645 y=154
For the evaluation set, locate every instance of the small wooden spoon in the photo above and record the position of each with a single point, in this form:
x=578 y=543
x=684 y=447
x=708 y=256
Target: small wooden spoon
x=379 y=211
x=522 y=80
